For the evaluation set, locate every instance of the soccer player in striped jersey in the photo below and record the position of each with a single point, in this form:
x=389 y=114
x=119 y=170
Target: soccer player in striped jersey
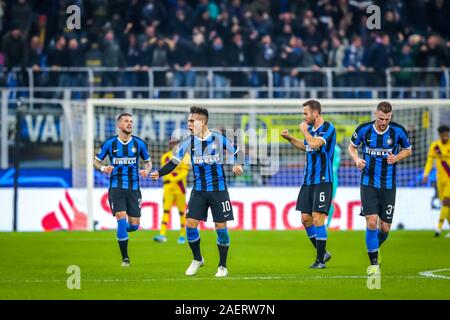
x=440 y=152
x=383 y=144
x=314 y=198
x=174 y=193
x=124 y=194
x=207 y=150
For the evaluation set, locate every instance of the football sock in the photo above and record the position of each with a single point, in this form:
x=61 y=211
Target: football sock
x=382 y=236
x=442 y=216
x=193 y=238
x=165 y=220
x=311 y=232
x=372 y=245
x=132 y=227
x=330 y=215
x=182 y=224
x=223 y=243
x=122 y=237
x=321 y=242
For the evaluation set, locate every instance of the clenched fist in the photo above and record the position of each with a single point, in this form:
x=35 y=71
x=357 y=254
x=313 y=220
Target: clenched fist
x=285 y=134
x=154 y=175
x=237 y=170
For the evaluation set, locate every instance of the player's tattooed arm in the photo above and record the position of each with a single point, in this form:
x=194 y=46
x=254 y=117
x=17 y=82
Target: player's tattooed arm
x=292 y=140
x=147 y=168
x=353 y=152
x=100 y=167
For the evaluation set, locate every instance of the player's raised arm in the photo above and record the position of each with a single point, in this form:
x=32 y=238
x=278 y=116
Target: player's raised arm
x=297 y=143
x=313 y=142
x=177 y=158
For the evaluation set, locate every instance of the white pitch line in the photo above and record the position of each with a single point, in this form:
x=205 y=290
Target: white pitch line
x=431 y=274
x=214 y=279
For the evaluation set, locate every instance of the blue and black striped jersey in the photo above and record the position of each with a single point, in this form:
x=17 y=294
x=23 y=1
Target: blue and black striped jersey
x=207 y=158
x=125 y=159
x=376 y=147
x=319 y=162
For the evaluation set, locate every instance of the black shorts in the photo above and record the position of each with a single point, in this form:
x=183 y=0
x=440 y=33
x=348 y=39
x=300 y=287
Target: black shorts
x=218 y=201
x=315 y=198
x=378 y=201
x=125 y=200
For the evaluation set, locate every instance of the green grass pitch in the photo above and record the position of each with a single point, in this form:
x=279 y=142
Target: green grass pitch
x=262 y=265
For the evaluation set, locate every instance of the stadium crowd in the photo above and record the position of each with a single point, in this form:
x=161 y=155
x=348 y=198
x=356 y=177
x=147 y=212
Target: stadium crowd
x=182 y=34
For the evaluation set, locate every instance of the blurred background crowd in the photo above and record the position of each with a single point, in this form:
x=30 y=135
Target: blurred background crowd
x=179 y=35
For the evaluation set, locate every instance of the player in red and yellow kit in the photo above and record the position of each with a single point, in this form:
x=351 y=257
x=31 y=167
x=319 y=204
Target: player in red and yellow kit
x=440 y=151
x=174 y=193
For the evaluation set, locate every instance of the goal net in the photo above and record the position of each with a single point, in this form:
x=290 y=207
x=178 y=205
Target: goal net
x=255 y=125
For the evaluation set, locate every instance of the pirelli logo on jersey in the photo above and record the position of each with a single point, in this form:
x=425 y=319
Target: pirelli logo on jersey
x=377 y=151
x=124 y=161
x=309 y=149
x=206 y=159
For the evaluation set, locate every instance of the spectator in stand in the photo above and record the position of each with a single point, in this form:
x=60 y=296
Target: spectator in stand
x=335 y=59
x=404 y=78
x=218 y=58
x=14 y=48
x=290 y=58
x=312 y=59
x=181 y=20
x=379 y=58
x=157 y=55
x=319 y=24
x=133 y=59
x=200 y=59
x=433 y=54
x=153 y=13
x=439 y=10
x=21 y=16
x=238 y=56
x=112 y=57
x=57 y=59
x=354 y=63
x=41 y=30
x=181 y=57
x=76 y=58
x=265 y=57
x=35 y=60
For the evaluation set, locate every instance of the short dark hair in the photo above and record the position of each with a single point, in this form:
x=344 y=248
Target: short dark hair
x=384 y=106
x=443 y=128
x=313 y=105
x=200 y=110
x=124 y=115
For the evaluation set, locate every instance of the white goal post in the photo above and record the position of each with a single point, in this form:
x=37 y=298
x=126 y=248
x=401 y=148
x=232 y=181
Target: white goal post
x=92 y=122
